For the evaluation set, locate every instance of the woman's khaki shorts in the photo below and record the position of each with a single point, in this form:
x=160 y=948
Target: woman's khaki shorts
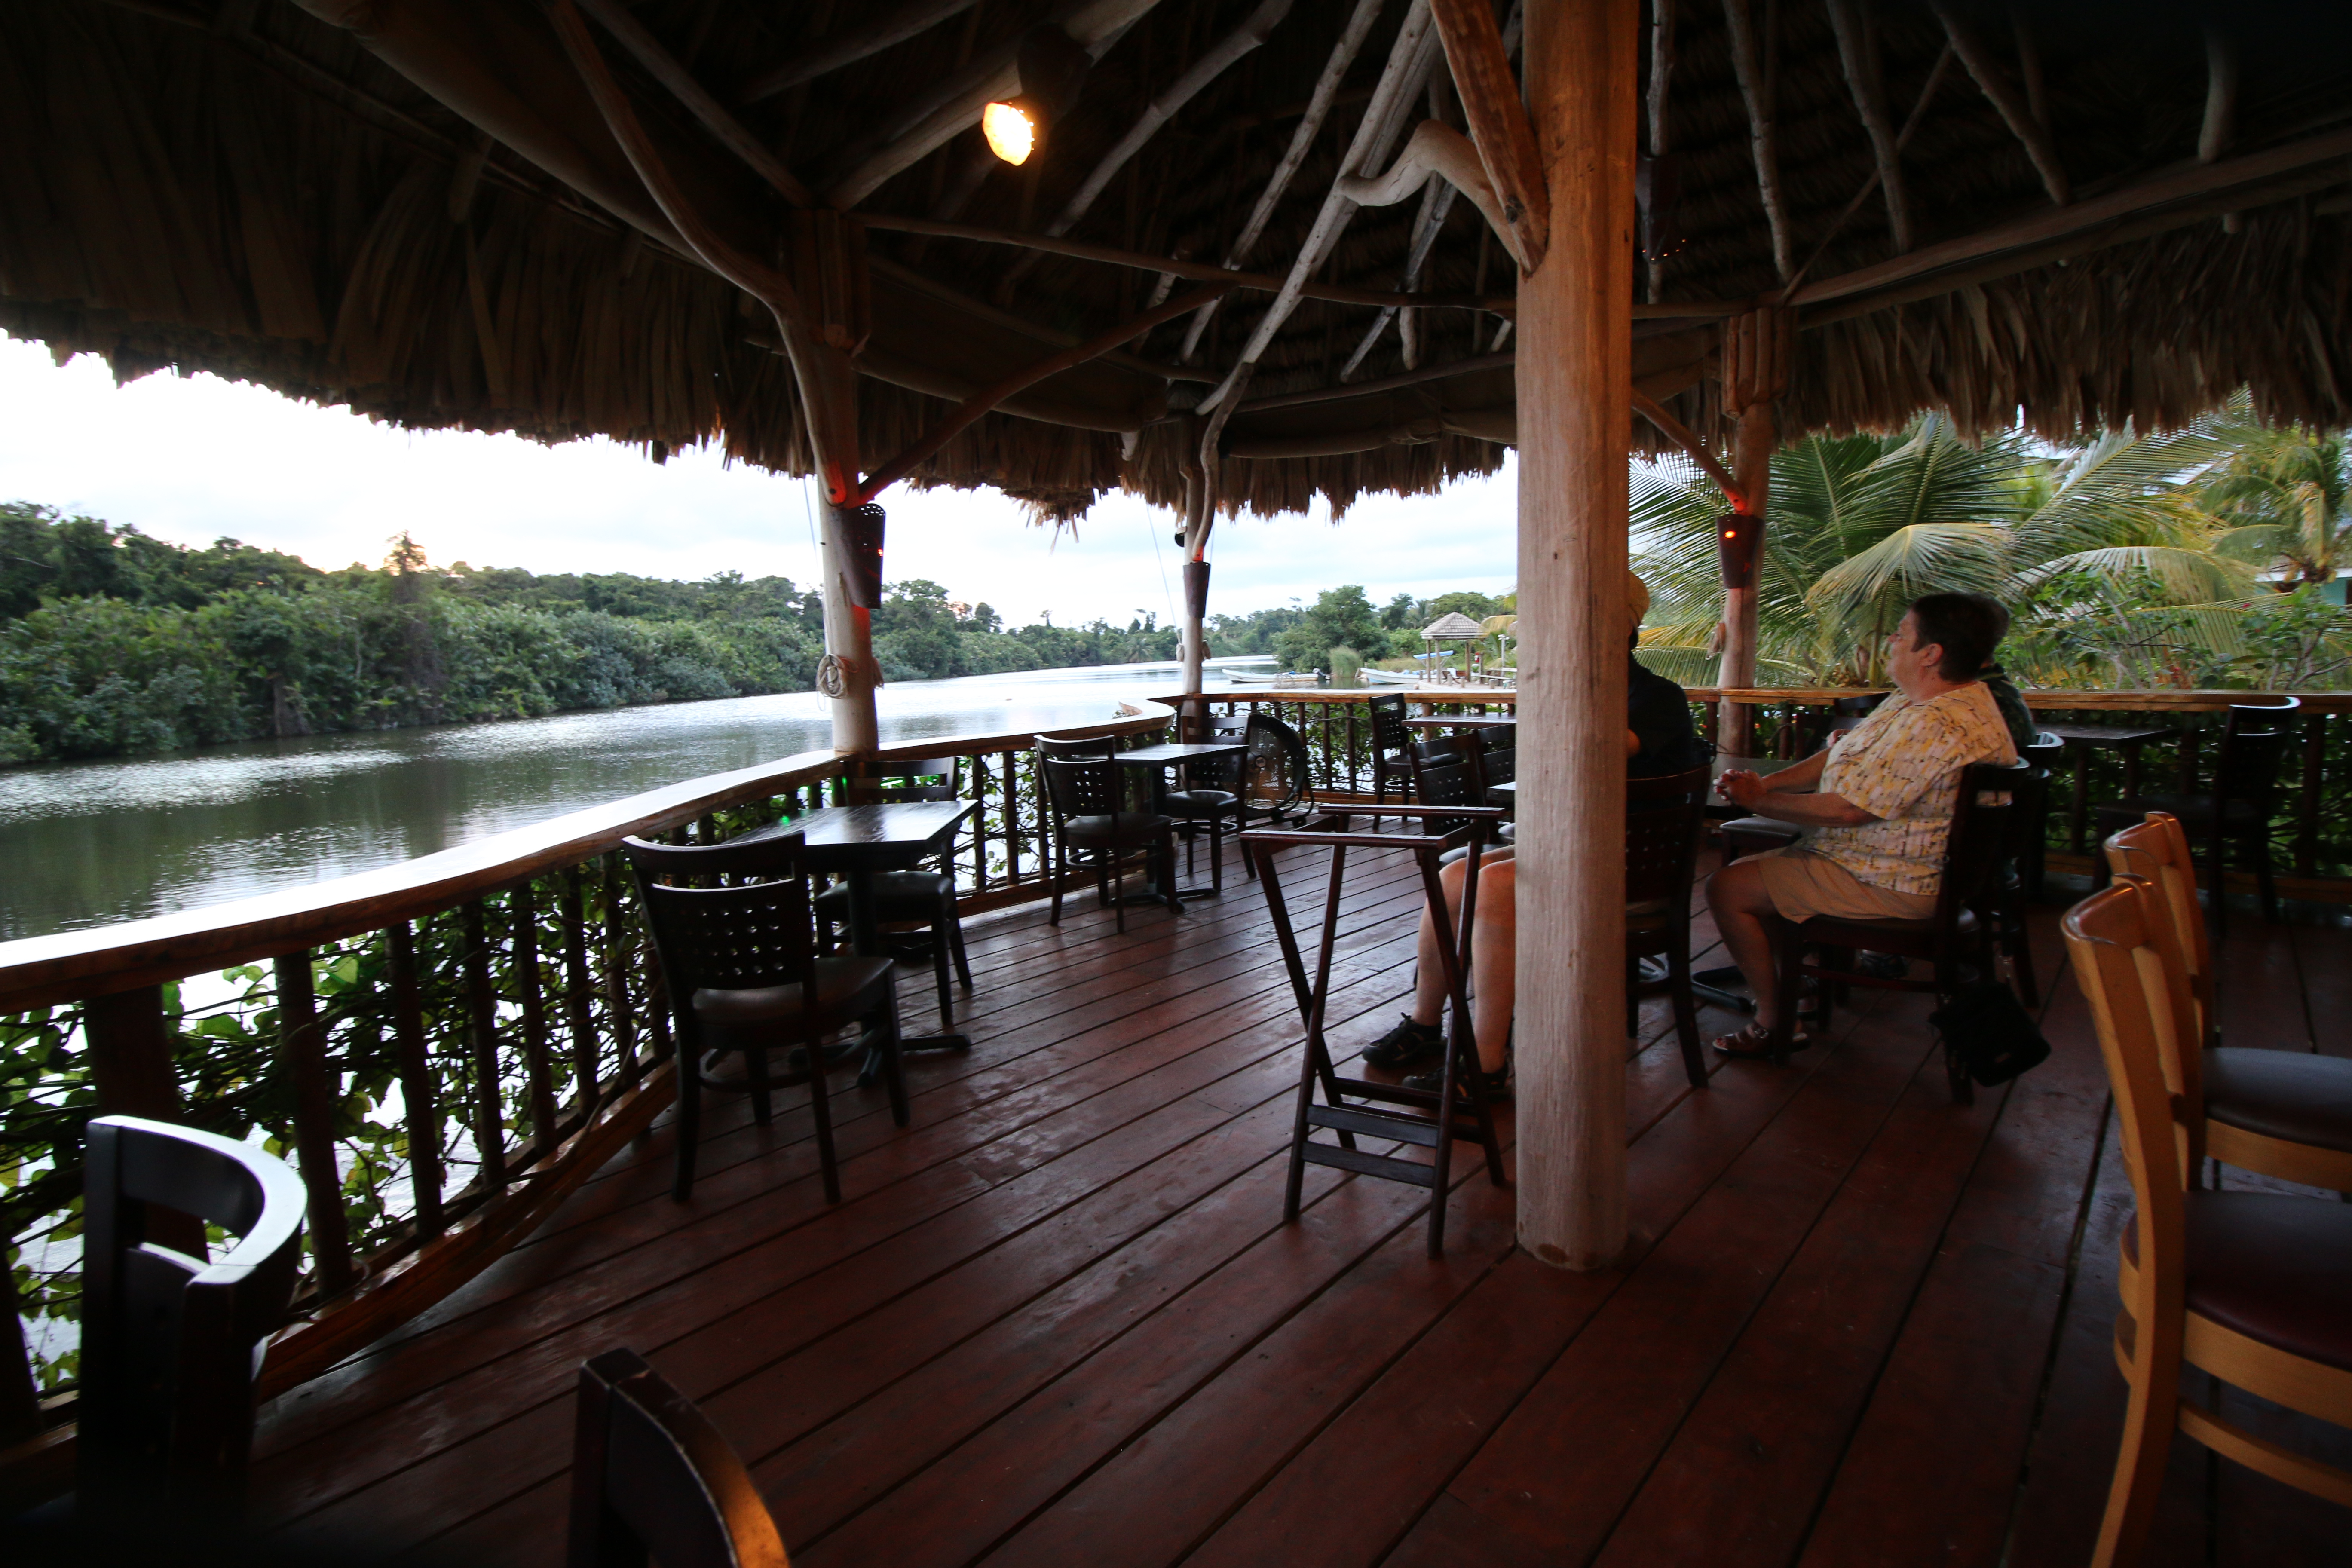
x=1803 y=884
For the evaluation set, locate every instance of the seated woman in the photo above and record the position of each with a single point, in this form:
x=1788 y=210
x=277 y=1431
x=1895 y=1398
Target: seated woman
x=1658 y=740
x=1879 y=802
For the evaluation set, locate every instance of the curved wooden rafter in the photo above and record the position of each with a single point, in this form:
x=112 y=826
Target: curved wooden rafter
x=1680 y=433
x=615 y=20
x=1436 y=148
x=878 y=32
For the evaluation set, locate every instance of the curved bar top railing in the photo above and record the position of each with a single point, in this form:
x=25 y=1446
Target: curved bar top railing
x=447 y=1047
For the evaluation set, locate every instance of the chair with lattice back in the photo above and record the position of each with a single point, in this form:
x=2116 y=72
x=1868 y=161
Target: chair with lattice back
x=1093 y=827
x=744 y=978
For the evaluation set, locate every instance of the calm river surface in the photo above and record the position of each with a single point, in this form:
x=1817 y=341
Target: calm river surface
x=85 y=844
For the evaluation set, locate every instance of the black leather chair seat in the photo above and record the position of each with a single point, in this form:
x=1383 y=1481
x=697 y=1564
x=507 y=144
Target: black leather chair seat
x=1123 y=827
x=2289 y=1095
x=1200 y=802
x=915 y=892
x=847 y=988
x=2276 y=1269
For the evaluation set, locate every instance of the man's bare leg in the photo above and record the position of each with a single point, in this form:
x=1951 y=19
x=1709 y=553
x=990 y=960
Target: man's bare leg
x=1743 y=912
x=1494 y=958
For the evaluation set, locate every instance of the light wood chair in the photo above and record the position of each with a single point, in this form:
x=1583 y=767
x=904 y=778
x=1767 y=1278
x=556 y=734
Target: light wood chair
x=2283 y=1113
x=2252 y=1288
x=652 y=1478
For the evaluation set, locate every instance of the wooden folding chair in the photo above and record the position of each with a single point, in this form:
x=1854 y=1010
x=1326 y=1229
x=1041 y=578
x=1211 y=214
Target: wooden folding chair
x=1461 y=1107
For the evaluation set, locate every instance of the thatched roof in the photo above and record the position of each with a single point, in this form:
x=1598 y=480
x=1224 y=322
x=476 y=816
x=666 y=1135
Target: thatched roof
x=1453 y=624
x=250 y=188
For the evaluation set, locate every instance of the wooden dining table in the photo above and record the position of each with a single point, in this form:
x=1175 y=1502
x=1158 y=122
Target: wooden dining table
x=855 y=842
x=1162 y=760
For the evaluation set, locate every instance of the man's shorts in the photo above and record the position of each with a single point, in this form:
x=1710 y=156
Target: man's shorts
x=1804 y=885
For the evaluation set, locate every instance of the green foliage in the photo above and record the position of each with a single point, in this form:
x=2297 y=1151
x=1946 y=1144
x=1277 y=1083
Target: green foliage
x=1341 y=618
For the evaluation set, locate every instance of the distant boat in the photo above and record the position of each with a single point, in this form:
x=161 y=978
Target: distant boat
x=1392 y=677
x=1268 y=678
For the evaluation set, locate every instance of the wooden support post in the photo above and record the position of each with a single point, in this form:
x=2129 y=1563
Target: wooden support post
x=130 y=1066
x=1575 y=374
x=1751 y=456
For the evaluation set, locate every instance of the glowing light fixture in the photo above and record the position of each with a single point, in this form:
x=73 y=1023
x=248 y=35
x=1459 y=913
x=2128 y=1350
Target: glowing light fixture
x=1010 y=130
x=1053 y=69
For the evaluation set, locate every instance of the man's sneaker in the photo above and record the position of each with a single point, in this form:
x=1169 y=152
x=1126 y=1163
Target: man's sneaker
x=1406 y=1044
x=1500 y=1086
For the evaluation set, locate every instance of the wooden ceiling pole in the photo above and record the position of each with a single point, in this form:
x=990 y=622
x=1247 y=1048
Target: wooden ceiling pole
x=617 y=20
x=1318 y=108
x=1755 y=89
x=1575 y=373
x=1755 y=370
x=849 y=673
x=1481 y=65
x=1655 y=106
x=2015 y=111
x=1857 y=43
x=894 y=26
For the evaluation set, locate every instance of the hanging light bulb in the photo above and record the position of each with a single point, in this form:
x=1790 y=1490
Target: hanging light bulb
x=1010 y=130
x=1052 y=68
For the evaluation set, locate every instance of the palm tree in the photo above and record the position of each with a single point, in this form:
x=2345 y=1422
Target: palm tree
x=2285 y=490
x=1861 y=525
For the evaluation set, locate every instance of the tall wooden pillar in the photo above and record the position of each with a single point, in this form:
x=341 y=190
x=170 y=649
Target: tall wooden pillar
x=1757 y=348
x=849 y=674
x=1575 y=380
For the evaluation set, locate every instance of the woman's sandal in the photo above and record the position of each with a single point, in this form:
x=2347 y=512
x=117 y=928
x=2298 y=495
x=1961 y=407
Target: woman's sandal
x=1754 y=1043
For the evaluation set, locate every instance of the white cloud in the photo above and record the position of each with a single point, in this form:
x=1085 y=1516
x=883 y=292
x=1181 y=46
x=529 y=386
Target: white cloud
x=193 y=458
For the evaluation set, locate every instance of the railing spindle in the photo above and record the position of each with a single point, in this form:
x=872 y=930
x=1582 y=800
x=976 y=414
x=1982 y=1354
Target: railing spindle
x=2306 y=802
x=522 y=911
x=419 y=1101
x=623 y=1016
x=1011 y=817
x=482 y=1045
x=303 y=1038
x=577 y=988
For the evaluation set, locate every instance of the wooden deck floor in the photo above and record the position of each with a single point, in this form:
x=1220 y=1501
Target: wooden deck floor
x=1058 y=1320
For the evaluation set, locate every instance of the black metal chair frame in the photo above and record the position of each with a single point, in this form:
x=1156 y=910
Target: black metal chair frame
x=1972 y=859
x=1193 y=807
x=1392 y=747
x=1664 y=818
x=943 y=926
x=165 y=1418
x=1152 y=833
x=1461 y=1107
x=653 y=1480
x=2245 y=751
x=1270 y=739
x=770 y=891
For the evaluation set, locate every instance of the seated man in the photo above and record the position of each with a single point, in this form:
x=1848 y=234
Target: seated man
x=1658 y=740
x=1880 y=802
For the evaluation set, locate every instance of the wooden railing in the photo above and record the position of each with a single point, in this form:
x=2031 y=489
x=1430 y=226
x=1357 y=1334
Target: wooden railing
x=2311 y=830
x=445 y=1048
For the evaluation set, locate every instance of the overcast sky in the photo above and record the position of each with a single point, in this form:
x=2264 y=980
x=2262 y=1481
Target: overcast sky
x=192 y=459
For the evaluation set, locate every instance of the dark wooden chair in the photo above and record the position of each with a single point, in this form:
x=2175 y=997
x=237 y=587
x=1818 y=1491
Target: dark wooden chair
x=167 y=1337
x=744 y=978
x=1091 y=825
x=2236 y=812
x=1499 y=767
x=2283 y=1114
x=1664 y=817
x=1210 y=797
x=1084 y=746
x=1959 y=931
x=2253 y=1289
x=924 y=898
x=1391 y=746
x=2027 y=823
x=652 y=1479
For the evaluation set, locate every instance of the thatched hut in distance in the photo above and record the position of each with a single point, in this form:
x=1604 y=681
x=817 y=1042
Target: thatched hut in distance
x=1269 y=249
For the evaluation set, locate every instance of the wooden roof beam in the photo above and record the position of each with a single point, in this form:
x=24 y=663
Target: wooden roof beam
x=1866 y=80
x=615 y=20
x=954 y=106
x=1662 y=76
x=1318 y=108
x=1506 y=143
x=2095 y=220
x=1436 y=148
x=1911 y=123
x=1757 y=90
x=895 y=25
x=1262 y=283
x=928 y=444
x=2015 y=111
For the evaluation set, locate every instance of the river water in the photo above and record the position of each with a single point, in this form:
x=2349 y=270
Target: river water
x=85 y=843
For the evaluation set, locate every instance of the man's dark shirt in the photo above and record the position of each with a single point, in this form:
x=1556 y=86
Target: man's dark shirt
x=1658 y=710
x=2012 y=703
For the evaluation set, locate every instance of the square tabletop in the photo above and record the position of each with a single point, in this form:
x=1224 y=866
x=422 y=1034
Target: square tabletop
x=841 y=835
x=1188 y=752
